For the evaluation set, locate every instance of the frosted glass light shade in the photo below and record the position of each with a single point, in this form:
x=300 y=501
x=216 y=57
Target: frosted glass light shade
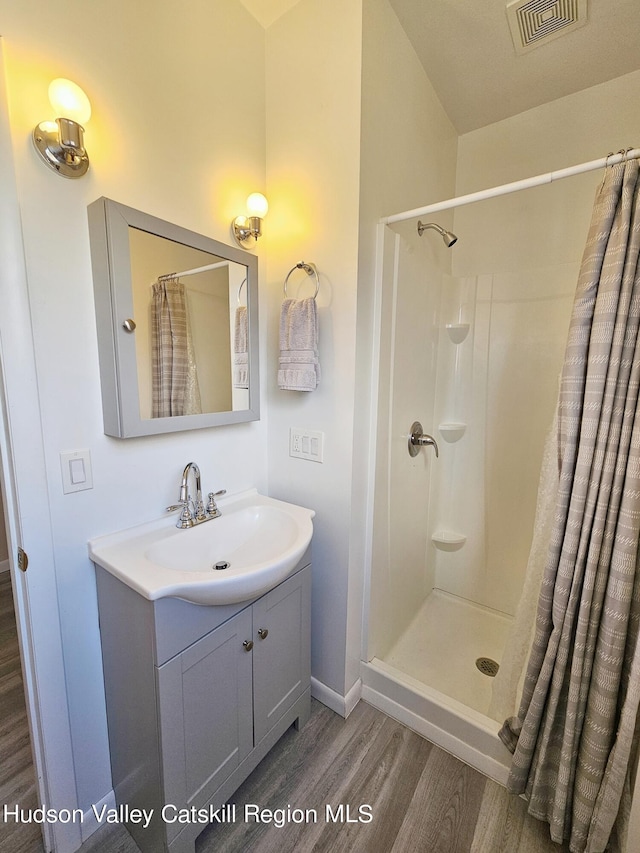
x=257 y=205
x=243 y=227
x=69 y=101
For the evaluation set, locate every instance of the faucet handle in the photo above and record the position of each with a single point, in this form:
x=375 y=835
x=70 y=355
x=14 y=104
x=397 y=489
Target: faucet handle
x=212 y=508
x=185 y=519
x=418 y=439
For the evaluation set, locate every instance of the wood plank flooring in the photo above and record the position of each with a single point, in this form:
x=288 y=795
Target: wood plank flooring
x=419 y=797
x=17 y=780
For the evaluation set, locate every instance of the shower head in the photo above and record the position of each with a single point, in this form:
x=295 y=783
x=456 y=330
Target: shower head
x=447 y=236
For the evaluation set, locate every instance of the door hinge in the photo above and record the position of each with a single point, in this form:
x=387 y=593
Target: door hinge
x=23 y=560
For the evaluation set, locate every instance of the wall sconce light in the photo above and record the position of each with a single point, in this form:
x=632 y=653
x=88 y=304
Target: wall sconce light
x=60 y=143
x=246 y=227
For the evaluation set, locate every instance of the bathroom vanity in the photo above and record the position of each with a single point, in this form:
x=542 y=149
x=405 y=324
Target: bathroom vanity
x=197 y=696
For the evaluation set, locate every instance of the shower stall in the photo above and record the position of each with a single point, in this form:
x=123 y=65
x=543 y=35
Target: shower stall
x=474 y=356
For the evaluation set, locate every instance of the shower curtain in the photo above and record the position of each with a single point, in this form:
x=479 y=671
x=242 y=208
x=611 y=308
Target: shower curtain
x=175 y=388
x=574 y=735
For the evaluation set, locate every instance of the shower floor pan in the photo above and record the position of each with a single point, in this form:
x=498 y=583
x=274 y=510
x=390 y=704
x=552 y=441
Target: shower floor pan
x=430 y=682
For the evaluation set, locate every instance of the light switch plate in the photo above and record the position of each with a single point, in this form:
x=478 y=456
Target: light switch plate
x=76 y=470
x=306 y=444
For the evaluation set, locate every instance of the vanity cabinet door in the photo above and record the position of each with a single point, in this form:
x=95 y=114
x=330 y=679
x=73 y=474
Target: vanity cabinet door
x=281 y=651
x=205 y=709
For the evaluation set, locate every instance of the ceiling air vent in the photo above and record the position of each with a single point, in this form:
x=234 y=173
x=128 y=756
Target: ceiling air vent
x=536 y=22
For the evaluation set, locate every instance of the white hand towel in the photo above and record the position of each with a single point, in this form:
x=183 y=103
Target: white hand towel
x=240 y=349
x=299 y=364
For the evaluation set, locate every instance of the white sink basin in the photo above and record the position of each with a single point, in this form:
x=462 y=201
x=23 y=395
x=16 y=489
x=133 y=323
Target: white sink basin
x=261 y=539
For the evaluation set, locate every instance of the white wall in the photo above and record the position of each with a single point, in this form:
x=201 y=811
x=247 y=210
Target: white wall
x=408 y=158
x=313 y=150
x=334 y=166
x=169 y=135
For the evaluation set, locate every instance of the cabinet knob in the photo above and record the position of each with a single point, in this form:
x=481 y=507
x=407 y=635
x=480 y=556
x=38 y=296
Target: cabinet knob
x=263 y=633
x=248 y=645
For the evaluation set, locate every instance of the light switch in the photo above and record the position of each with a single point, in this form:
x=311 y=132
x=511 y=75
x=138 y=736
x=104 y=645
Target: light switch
x=76 y=470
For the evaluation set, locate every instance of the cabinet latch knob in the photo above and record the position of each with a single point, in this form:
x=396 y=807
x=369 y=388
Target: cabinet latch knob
x=248 y=645
x=263 y=633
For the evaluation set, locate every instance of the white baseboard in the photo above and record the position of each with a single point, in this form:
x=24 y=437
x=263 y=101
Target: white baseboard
x=4 y=565
x=342 y=705
x=90 y=823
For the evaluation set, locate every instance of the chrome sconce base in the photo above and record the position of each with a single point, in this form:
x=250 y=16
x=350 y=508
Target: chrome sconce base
x=60 y=145
x=244 y=228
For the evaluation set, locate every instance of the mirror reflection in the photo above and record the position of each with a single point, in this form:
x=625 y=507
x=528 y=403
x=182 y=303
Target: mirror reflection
x=191 y=328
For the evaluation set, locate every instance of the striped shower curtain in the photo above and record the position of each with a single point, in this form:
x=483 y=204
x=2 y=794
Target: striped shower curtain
x=174 y=385
x=574 y=736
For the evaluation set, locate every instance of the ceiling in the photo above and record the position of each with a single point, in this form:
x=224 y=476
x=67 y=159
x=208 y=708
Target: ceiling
x=467 y=51
x=468 y=54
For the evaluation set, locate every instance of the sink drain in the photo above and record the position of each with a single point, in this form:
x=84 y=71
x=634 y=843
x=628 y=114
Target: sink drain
x=221 y=564
x=487 y=666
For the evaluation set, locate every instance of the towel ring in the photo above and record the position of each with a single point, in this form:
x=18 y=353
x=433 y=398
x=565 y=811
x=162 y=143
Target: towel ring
x=242 y=284
x=310 y=269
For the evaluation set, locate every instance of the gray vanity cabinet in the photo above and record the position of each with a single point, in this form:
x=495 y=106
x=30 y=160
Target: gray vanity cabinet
x=206 y=718
x=281 y=653
x=197 y=696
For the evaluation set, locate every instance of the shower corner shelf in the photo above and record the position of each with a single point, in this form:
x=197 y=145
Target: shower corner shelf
x=457 y=332
x=445 y=540
x=452 y=431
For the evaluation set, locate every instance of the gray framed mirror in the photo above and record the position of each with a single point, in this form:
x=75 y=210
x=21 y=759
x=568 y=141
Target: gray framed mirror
x=177 y=322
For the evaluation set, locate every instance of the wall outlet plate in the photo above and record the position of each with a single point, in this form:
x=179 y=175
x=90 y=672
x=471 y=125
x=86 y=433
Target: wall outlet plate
x=306 y=444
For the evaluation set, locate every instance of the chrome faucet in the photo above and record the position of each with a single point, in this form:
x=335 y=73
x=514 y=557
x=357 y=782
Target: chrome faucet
x=198 y=509
x=188 y=516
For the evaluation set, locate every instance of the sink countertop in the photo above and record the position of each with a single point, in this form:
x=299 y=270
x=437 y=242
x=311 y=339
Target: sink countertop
x=260 y=537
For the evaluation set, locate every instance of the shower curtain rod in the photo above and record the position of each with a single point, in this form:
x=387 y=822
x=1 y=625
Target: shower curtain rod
x=504 y=189
x=194 y=271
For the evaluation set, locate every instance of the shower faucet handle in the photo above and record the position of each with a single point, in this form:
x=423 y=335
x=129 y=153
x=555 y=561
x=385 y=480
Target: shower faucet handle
x=418 y=439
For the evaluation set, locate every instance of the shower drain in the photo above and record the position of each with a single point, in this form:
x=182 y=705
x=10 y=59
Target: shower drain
x=487 y=666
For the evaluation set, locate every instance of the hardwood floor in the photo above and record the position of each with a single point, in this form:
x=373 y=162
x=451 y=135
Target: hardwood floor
x=17 y=780
x=421 y=798
x=365 y=785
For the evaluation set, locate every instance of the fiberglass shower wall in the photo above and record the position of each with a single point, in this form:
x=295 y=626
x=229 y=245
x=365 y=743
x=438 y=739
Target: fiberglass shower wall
x=523 y=251
x=410 y=271
x=500 y=354
x=476 y=358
